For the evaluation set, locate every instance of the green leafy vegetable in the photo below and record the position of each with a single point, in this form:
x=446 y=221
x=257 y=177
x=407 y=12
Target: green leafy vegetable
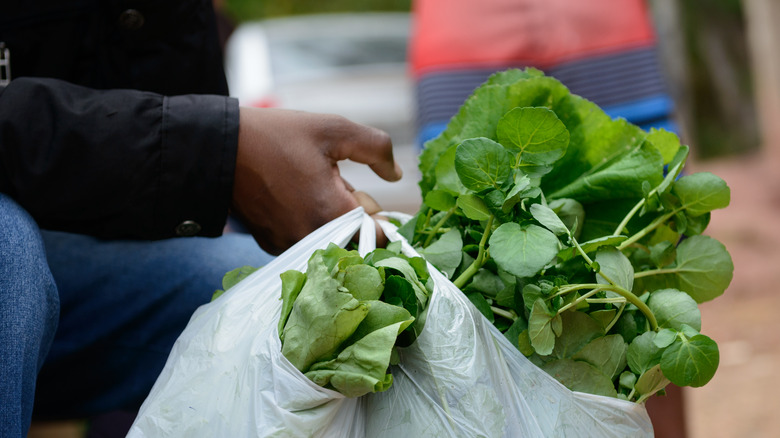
x=232 y=278
x=523 y=250
x=342 y=318
x=482 y=164
x=536 y=133
x=690 y=361
x=576 y=235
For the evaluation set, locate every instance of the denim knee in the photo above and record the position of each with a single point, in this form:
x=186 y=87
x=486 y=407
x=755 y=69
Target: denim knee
x=29 y=311
x=28 y=295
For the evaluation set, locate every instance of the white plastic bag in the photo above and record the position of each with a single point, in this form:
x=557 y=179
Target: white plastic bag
x=463 y=378
x=226 y=376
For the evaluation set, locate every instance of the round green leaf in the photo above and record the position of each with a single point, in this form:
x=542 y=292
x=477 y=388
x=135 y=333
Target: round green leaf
x=482 y=164
x=704 y=268
x=445 y=253
x=439 y=200
x=446 y=176
x=487 y=283
x=536 y=132
x=691 y=362
x=473 y=207
x=702 y=192
x=627 y=380
x=642 y=353
x=615 y=266
x=673 y=308
x=523 y=250
x=665 y=337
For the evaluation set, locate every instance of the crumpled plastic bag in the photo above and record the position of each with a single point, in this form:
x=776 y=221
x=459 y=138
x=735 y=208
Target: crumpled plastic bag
x=226 y=376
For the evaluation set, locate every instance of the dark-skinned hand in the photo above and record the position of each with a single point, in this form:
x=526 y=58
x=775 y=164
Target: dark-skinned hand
x=287 y=181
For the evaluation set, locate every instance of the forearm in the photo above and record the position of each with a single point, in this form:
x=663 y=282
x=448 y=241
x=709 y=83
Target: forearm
x=117 y=163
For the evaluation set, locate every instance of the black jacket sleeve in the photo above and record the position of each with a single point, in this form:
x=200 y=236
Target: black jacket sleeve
x=117 y=163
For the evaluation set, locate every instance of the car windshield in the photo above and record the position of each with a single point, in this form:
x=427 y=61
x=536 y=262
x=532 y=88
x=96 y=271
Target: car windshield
x=327 y=45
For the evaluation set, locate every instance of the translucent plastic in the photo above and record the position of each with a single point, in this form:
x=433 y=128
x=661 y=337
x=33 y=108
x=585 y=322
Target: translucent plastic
x=226 y=376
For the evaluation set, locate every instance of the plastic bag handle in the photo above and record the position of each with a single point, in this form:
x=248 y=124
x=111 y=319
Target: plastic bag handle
x=367 y=242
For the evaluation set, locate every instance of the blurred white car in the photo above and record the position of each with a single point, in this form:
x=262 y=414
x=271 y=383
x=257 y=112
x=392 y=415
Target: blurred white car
x=353 y=65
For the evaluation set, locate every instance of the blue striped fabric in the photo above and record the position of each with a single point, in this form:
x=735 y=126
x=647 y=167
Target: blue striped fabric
x=628 y=84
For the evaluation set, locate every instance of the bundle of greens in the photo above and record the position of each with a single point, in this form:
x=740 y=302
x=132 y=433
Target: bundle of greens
x=343 y=317
x=575 y=235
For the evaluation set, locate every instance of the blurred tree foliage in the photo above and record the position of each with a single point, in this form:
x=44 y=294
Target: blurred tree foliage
x=243 y=10
x=720 y=82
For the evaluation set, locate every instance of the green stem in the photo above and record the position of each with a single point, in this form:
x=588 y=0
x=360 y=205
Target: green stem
x=630 y=297
x=615 y=319
x=428 y=217
x=633 y=299
x=482 y=257
x=654 y=272
x=646 y=230
x=606 y=300
x=504 y=313
x=571 y=288
x=438 y=225
x=581 y=251
x=628 y=217
x=580 y=299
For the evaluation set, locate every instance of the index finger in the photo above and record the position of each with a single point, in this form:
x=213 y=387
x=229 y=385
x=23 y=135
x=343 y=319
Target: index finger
x=370 y=146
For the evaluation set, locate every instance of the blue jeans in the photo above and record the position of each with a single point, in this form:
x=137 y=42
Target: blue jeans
x=94 y=320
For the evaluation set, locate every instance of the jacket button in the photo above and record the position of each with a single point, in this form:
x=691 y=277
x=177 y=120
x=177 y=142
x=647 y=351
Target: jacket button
x=131 y=19
x=187 y=229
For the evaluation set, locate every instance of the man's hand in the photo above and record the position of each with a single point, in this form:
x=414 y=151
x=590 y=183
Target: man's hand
x=287 y=181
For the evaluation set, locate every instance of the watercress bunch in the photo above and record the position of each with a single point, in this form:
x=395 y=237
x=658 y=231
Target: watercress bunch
x=577 y=235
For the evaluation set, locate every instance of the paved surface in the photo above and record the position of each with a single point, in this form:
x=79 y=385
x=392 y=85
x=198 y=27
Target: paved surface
x=740 y=401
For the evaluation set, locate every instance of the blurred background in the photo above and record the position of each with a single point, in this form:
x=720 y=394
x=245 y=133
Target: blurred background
x=713 y=58
x=720 y=61
x=718 y=57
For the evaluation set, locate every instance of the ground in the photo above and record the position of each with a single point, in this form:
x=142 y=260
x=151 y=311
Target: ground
x=738 y=401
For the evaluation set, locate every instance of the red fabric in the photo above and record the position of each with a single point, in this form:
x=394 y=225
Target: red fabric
x=469 y=33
